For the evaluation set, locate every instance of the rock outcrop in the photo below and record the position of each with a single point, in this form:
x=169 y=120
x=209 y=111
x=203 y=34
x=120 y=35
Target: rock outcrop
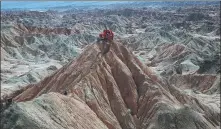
x=53 y=111
x=115 y=91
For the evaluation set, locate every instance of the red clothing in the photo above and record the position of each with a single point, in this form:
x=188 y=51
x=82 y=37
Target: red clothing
x=107 y=34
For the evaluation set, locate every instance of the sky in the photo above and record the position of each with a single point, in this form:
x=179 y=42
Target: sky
x=45 y=5
x=48 y=4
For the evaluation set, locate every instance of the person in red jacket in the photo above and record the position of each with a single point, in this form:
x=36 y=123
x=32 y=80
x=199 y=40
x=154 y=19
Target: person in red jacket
x=106 y=37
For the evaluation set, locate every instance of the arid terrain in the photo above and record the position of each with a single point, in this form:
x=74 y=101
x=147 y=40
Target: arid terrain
x=162 y=72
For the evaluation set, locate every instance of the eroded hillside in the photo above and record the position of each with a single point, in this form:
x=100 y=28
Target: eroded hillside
x=162 y=72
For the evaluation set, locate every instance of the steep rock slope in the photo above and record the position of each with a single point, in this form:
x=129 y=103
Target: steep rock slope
x=122 y=92
x=34 y=43
x=50 y=110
